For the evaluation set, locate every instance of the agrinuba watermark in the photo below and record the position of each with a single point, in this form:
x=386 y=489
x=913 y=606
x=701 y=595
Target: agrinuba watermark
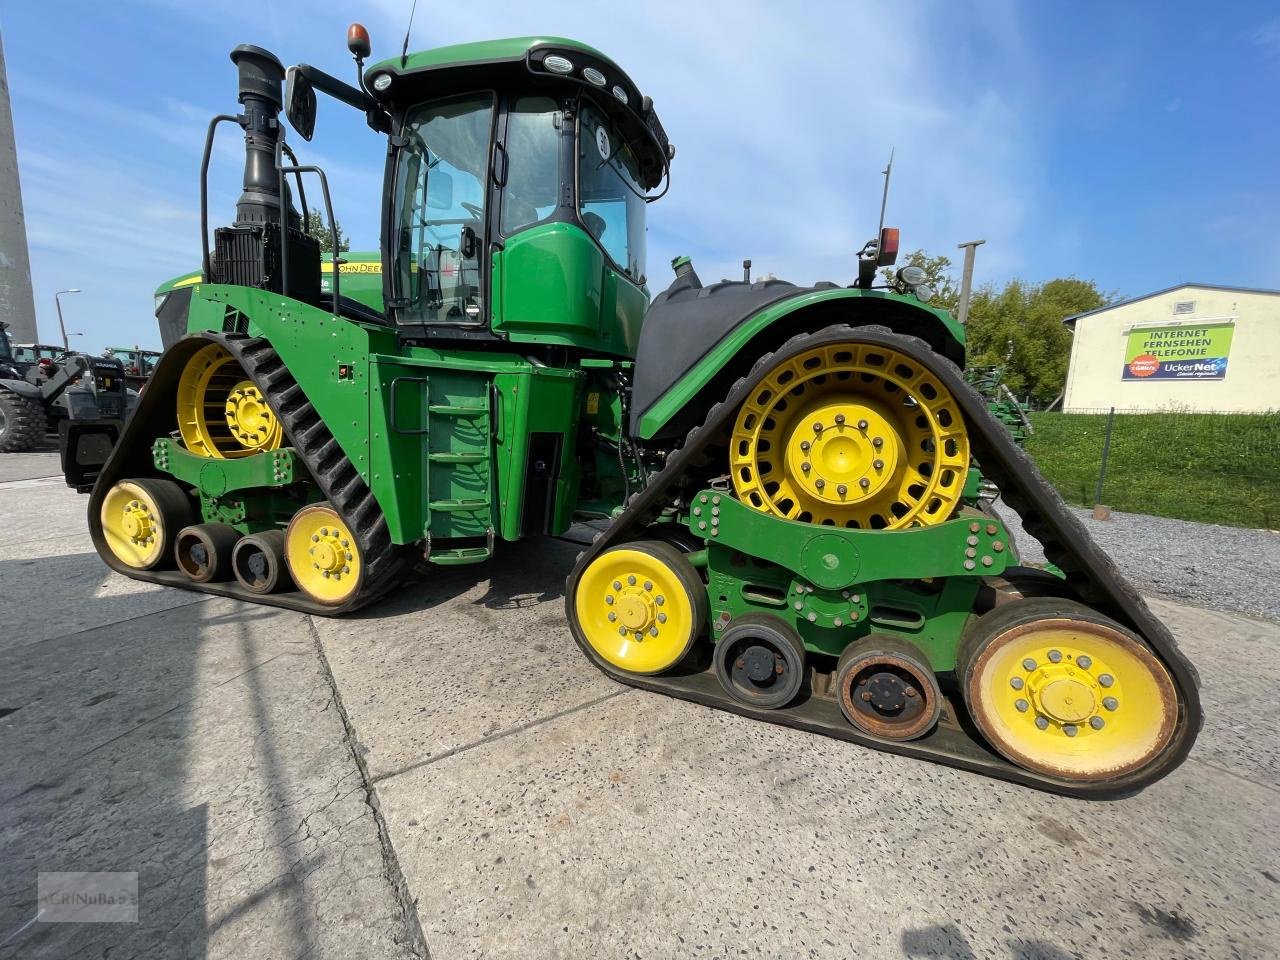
x=83 y=897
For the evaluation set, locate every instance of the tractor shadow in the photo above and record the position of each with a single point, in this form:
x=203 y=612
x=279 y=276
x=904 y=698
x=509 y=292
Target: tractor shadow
x=519 y=575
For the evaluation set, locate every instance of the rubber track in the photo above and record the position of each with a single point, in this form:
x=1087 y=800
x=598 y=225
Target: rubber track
x=333 y=472
x=954 y=742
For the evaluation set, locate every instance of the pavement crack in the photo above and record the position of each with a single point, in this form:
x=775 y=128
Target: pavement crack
x=500 y=735
x=416 y=940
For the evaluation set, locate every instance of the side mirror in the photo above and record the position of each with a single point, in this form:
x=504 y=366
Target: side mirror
x=300 y=103
x=439 y=190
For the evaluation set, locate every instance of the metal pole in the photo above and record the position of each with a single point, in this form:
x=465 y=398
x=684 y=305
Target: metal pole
x=1106 y=451
x=66 y=346
x=966 y=277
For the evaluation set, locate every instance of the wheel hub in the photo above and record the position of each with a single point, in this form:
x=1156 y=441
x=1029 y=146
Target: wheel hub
x=761 y=663
x=249 y=418
x=138 y=523
x=329 y=552
x=1060 y=690
x=843 y=453
x=1066 y=700
x=886 y=692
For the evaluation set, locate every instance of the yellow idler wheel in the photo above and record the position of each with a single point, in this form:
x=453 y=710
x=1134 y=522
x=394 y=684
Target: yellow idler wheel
x=851 y=435
x=1064 y=691
x=640 y=606
x=221 y=413
x=323 y=555
x=140 y=519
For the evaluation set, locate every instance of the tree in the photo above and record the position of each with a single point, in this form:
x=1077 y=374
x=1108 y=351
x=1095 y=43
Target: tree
x=318 y=226
x=1020 y=326
x=1017 y=326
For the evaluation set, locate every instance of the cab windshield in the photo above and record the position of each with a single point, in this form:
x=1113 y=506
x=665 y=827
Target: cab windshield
x=440 y=211
x=611 y=203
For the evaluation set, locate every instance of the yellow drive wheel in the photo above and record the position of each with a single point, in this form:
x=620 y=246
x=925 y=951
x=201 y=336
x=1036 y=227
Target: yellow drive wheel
x=640 y=606
x=140 y=519
x=221 y=412
x=1061 y=690
x=323 y=555
x=851 y=435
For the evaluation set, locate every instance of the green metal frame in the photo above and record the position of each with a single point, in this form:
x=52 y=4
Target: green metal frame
x=836 y=584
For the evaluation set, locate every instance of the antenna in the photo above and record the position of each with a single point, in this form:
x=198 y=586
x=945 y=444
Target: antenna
x=884 y=199
x=404 y=50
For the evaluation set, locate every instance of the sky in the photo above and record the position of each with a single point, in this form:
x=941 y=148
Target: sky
x=1132 y=144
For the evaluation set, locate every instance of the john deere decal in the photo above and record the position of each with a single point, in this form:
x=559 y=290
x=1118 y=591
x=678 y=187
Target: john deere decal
x=1188 y=352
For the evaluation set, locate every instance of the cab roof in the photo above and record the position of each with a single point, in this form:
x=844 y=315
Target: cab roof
x=519 y=63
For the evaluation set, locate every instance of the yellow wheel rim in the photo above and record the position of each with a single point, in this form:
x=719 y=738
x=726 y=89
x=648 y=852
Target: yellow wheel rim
x=221 y=413
x=322 y=554
x=851 y=435
x=635 y=611
x=1073 y=699
x=133 y=525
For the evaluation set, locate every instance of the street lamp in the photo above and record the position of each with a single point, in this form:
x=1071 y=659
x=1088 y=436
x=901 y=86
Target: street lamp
x=61 y=326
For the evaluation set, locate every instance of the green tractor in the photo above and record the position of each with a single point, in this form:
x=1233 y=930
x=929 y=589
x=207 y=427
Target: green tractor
x=786 y=477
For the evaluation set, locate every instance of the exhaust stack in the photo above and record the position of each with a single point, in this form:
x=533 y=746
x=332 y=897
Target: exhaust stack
x=252 y=251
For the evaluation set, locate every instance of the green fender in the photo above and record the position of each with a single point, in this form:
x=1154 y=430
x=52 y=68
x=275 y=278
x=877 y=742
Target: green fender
x=766 y=329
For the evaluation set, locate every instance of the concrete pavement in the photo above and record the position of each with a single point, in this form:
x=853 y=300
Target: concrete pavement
x=532 y=808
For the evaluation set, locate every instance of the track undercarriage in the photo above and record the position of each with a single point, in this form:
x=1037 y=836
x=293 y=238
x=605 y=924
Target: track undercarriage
x=925 y=640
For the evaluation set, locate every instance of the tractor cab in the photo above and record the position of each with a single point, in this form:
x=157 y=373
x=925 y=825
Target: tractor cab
x=515 y=196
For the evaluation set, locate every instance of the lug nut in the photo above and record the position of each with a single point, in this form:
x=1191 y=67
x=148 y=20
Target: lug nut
x=805 y=466
x=1106 y=679
x=1097 y=723
x=878 y=464
x=1055 y=656
x=612 y=616
x=817 y=428
x=1042 y=723
x=1084 y=662
x=864 y=483
x=1021 y=705
x=662 y=618
x=842 y=489
x=1016 y=683
x=648 y=584
x=631 y=579
x=839 y=418
x=1070 y=729
x=862 y=424
x=1028 y=664
x=622 y=631
x=617 y=584
x=1110 y=702
x=609 y=600
x=804 y=445
x=653 y=631
x=820 y=483
x=877 y=442
x=659 y=600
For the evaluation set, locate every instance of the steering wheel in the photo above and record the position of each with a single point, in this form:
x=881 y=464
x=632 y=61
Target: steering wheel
x=472 y=209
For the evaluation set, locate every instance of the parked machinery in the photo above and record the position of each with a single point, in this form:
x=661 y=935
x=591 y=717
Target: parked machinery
x=43 y=386
x=790 y=474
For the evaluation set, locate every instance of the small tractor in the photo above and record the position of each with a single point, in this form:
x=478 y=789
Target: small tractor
x=42 y=387
x=788 y=477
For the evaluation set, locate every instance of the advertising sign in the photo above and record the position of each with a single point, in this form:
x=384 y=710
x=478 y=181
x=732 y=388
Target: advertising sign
x=1188 y=352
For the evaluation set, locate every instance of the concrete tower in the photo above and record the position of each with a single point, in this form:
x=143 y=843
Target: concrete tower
x=17 y=306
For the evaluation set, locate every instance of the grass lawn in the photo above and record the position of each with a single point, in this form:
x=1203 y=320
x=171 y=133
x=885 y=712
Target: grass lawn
x=1214 y=468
